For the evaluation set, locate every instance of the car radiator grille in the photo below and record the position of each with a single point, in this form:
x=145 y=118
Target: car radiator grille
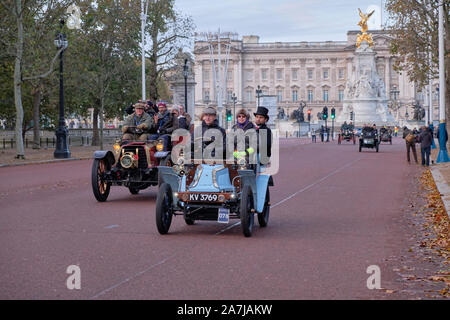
x=142 y=161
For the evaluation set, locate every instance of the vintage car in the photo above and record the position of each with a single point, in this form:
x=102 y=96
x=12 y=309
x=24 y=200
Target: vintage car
x=217 y=192
x=369 y=139
x=346 y=135
x=385 y=135
x=133 y=164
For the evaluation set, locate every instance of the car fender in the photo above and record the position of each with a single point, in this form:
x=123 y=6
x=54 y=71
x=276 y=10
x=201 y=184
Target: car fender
x=105 y=155
x=248 y=178
x=262 y=181
x=166 y=175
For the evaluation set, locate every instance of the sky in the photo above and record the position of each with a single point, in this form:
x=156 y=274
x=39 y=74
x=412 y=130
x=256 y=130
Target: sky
x=280 y=20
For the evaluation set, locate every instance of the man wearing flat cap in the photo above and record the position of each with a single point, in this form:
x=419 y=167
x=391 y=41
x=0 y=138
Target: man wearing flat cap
x=209 y=121
x=137 y=120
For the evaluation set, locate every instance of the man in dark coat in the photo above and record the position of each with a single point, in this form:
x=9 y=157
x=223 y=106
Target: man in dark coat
x=209 y=121
x=261 y=117
x=426 y=140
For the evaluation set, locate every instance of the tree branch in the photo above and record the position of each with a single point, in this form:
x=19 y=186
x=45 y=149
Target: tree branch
x=45 y=75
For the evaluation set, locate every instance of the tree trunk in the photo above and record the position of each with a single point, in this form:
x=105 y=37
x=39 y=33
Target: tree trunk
x=95 y=137
x=153 y=74
x=37 y=96
x=20 y=152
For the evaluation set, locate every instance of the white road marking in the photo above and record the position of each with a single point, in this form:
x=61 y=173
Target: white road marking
x=131 y=277
x=297 y=192
x=112 y=226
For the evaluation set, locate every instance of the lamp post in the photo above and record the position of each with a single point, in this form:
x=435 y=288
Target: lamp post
x=186 y=74
x=234 y=99
x=258 y=93
x=443 y=155
x=395 y=104
x=62 y=149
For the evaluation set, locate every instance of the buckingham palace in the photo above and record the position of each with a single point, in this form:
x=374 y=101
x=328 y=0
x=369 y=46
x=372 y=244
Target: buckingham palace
x=312 y=72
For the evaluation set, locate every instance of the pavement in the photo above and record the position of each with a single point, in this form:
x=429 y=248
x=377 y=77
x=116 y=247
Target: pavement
x=335 y=213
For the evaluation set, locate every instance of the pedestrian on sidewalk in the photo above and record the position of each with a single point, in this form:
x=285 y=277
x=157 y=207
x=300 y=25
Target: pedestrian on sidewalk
x=410 y=140
x=313 y=135
x=426 y=139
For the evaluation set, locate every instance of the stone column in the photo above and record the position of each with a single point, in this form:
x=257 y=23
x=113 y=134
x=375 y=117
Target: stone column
x=387 y=76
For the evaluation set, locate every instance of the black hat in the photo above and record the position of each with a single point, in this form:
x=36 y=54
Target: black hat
x=262 y=111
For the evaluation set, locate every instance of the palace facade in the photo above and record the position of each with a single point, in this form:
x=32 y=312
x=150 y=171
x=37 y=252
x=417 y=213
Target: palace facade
x=313 y=72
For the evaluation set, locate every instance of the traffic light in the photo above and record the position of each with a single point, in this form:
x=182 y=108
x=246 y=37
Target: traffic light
x=351 y=115
x=228 y=115
x=309 y=114
x=325 y=113
x=333 y=113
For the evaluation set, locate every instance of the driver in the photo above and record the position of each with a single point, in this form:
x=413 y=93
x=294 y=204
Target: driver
x=138 y=122
x=344 y=126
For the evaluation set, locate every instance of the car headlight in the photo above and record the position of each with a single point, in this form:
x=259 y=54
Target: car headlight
x=127 y=160
x=180 y=161
x=116 y=148
x=159 y=146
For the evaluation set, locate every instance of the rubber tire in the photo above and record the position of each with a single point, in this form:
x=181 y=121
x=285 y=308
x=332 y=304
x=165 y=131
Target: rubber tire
x=164 y=208
x=360 y=148
x=100 y=195
x=247 y=217
x=189 y=221
x=263 y=217
x=376 y=148
x=133 y=190
x=390 y=141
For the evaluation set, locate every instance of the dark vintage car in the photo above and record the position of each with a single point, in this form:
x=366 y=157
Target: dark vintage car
x=386 y=135
x=132 y=164
x=346 y=134
x=369 y=139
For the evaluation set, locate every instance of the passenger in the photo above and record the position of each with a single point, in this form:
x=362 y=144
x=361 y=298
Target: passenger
x=139 y=120
x=261 y=117
x=243 y=122
x=184 y=119
x=209 y=121
x=160 y=119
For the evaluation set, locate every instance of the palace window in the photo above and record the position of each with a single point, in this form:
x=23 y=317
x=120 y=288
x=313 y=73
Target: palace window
x=205 y=75
x=341 y=73
x=279 y=74
x=325 y=95
x=310 y=95
x=341 y=95
x=294 y=95
x=325 y=74
x=310 y=74
x=264 y=74
x=279 y=95
x=249 y=95
x=294 y=74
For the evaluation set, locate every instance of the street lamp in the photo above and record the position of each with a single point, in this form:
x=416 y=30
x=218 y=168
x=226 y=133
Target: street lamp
x=186 y=74
x=258 y=93
x=234 y=99
x=62 y=149
x=396 y=105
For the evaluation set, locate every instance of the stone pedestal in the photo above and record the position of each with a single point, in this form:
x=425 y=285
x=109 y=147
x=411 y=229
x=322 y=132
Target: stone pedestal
x=365 y=93
x=179 y=96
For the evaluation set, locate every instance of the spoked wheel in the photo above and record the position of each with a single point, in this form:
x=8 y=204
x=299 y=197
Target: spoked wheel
x=246 y=206
x=99 y=186
x=133 y=190
x=376 y=148
x=339 y=139
x=164 y=209
x=360 y=148
x=354 y=140
x=263 y=217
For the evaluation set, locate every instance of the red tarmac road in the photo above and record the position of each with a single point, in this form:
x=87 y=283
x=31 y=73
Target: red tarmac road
x=334 y=213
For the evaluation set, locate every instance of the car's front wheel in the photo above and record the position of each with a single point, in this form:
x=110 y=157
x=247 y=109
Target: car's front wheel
x=246 y=211
x=99 y=186
x=133 y=190
x=164 y=209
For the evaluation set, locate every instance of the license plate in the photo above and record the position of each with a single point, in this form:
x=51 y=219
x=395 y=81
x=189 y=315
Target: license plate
x=203 y=197
x=224 y=215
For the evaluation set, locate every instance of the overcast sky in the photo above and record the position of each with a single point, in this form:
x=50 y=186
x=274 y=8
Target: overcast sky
x=279 y=20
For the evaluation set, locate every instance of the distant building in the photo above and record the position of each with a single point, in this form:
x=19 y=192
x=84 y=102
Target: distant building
x=315 y=72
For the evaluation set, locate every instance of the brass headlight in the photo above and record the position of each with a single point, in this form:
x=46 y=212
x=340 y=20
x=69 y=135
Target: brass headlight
x=159 y=146
x=127 y=160
x=116 y=148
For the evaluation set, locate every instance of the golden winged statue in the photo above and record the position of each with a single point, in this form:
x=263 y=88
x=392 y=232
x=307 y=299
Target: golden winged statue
x=363 y=24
